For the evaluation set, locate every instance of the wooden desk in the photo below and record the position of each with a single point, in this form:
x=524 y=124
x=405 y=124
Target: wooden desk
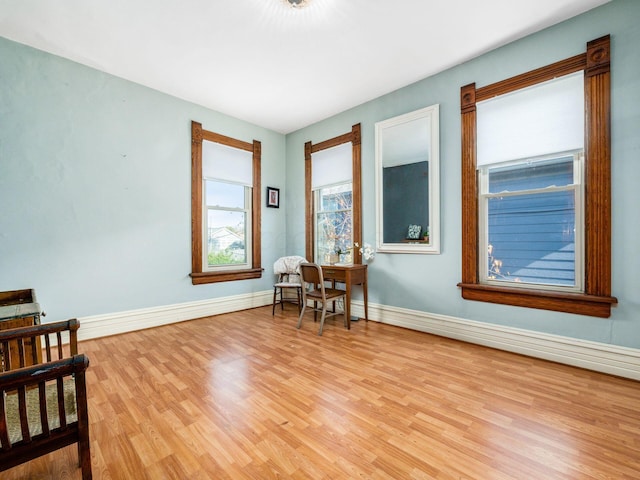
x=349 y=275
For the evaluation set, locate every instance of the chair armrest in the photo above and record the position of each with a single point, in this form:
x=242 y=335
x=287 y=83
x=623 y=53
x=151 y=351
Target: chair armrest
x=43 y=372
x=28 y=345
x=71 y=325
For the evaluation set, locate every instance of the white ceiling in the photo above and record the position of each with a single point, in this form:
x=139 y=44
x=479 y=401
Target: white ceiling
x=267 y=63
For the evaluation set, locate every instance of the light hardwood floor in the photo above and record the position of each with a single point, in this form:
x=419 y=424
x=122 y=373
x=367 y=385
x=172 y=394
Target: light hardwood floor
x=247 y=396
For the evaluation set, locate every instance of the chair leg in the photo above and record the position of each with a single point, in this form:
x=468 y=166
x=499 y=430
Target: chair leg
x=84 y=458
x=304 y=307
x=273 y=310
x=346 y=324
x=324 y=312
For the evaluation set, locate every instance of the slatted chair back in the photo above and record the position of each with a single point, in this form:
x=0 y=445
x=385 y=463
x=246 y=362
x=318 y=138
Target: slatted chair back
x=22 y=344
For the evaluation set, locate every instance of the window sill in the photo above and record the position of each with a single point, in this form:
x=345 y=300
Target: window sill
x=578 y=303
x=200 y=278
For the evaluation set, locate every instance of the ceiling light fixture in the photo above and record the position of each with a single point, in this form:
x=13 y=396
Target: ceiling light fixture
x=297 y=3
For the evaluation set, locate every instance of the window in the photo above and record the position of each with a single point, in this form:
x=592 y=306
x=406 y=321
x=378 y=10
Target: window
x=333 y=220
x=227 y=225
x=225 y=208
x=535 y=173
x=333 y=196
x=530 y=221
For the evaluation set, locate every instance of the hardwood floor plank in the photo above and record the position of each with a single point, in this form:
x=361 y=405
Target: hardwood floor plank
x=248 y=396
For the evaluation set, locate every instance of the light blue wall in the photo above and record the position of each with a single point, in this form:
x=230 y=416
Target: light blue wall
x=95 y=185
x=427 y=282
x=95 y=189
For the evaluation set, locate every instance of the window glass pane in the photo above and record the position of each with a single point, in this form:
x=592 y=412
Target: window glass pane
x=334 y=232
x=222 y=194
x=532 y=175
x=226 y=237
x=336 y=198
x=334 y=221
x=532 y=238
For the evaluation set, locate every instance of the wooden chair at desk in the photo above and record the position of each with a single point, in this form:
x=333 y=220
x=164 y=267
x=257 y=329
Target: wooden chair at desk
x=311 y=274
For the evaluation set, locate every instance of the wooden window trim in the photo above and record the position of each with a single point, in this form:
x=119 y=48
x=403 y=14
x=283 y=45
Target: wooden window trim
x=198 y=277
x=354 y=136
x=596 y=299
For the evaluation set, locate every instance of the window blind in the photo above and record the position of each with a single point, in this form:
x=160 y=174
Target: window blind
x=331 y=166
x=221 y=162
x=548 y=117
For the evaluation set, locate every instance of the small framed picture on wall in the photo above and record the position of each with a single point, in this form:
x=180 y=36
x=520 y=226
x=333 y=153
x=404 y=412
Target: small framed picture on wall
x=273 y=197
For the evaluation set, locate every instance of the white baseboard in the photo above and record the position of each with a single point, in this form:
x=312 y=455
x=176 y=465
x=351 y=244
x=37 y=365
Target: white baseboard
x=600 y=357
x=97 y=326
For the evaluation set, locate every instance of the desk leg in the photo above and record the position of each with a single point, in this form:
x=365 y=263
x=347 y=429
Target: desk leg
x=347 y=302
x=366 y=300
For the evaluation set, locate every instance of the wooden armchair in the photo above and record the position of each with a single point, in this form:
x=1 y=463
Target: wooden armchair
x=43 y=402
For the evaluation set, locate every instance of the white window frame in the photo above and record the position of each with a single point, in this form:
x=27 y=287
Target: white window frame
x=483 y=221
x=247 y=210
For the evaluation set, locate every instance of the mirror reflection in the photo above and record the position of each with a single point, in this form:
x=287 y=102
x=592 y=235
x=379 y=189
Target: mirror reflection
x=407 y=182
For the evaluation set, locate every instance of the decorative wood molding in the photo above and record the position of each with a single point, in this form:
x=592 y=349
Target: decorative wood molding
x=543 y=74
x=356 y=137
x=198 y=277
x=598 y=172
x=332 y=142
x=228 y=141
x=469 y=185
x=196 y=133
x=581 y=304
x=309 y=230
x=596 y=299
x=256 y=208
x=225 y=276
x=196 y=196
x=357 y=192
x=468 y=98
x=598 y=56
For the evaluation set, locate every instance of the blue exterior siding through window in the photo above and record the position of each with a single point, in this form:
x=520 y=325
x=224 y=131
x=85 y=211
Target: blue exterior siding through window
x=532 y=236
